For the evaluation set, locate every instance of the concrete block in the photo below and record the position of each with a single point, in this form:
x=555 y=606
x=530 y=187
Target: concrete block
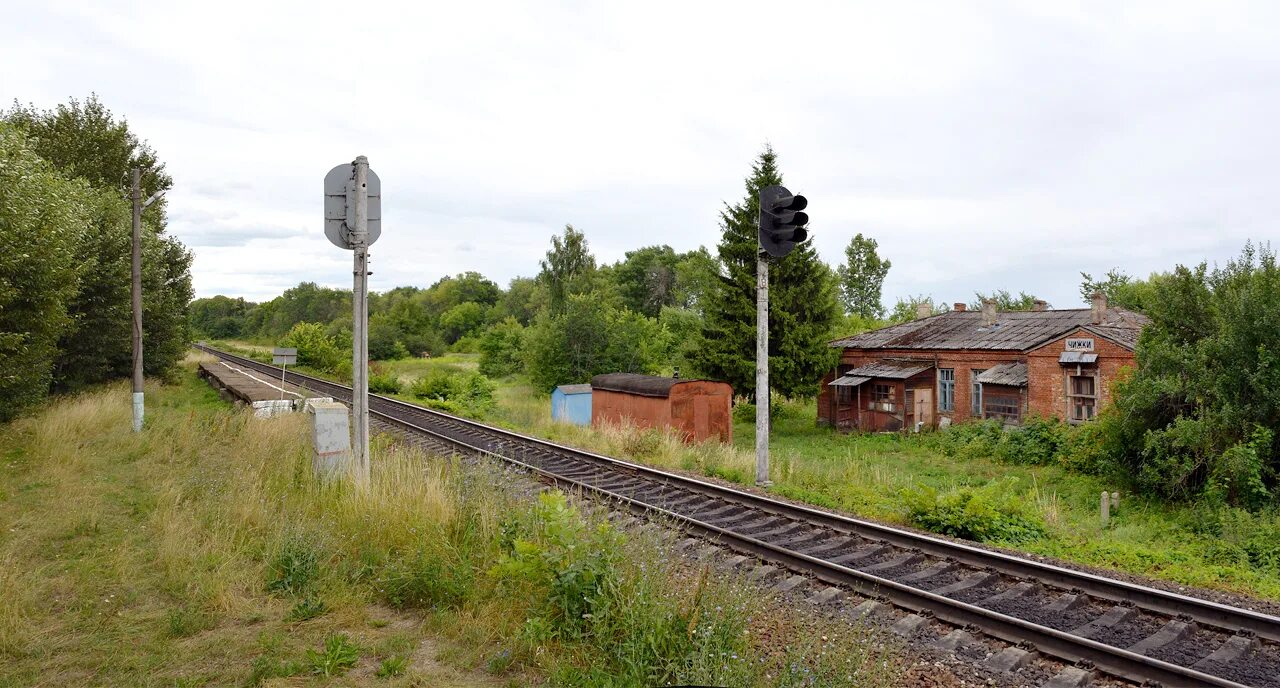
x=331 y=439
x=790 y=584
x=272 y=407
x=1070 y=677
x=1008 y=659
x=954 y=639
x=908 y=624
x=826 y=595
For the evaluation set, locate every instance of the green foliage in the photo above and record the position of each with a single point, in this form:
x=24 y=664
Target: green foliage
x=294 y=567
x=1198 y=414
x=392 y=666
x=989 y=514
x=502 y=349
x=1121 y=290
x=430 y=579
x=385 y=339
x=802 y=303
x=568 y=269
x=84 y=140
x=571 y=567
x=306 y=609
x=337 y=656
x=455 y=391
x=462 y=320
x=218 y=317
x=905 y=310
x=1004 y=300
x=383 y=383
x=588 y=338
x=47 y=217
x=315 y=348
x=862 y=278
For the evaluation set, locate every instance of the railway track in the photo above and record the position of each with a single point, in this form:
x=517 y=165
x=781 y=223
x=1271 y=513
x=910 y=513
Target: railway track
x=1126 y=630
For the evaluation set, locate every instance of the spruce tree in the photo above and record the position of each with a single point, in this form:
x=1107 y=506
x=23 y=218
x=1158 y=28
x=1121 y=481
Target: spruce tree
x=802 y=303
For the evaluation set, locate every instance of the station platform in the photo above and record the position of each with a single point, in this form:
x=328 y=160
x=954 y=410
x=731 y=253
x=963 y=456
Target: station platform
x=267 y=396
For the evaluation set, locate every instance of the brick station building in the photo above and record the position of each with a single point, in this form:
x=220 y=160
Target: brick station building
x=966 y=364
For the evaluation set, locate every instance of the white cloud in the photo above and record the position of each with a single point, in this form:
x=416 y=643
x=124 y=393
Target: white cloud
x=985 y=146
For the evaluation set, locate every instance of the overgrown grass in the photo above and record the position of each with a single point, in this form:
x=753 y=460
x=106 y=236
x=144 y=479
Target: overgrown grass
x=203 y=551
x=978 y=492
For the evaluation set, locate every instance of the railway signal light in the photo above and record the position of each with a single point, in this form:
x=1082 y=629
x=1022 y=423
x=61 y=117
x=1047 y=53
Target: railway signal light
x=782 y=224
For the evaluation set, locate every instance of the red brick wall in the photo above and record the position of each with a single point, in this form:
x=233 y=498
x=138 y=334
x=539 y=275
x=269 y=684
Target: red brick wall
x=1047 y=379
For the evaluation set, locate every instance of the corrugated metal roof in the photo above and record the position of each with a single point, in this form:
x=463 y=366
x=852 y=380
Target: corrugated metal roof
x=1124 y=336
x=644 y=385
x=1012 y=374
x=895 y=370
x=1077 y=357
x=848 y=381
x=1013 y=330
x=584 y=388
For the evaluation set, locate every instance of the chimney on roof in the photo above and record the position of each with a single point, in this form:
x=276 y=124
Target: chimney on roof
x=959 y=306
x=1040 y=305
x=988 y=312
x=924 y=309
x=1099 y=307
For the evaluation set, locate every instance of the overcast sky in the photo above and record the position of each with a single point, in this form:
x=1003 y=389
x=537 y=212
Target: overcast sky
x=994 y=145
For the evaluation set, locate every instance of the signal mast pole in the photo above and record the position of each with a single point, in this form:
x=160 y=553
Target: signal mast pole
x=762 y=369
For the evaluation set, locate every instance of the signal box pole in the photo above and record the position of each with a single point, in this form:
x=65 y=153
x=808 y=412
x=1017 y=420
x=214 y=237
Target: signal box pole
x=782 y=226
x=762 y=369
x=135 y=297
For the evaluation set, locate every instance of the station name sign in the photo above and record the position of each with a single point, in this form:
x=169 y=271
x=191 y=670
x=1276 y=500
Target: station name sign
x=1080 y=344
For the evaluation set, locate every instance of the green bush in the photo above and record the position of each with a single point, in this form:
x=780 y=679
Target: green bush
x=570 y=565
x=989 y=514
x=502 y=348
x=338 y=654
x=383 y=383
x=455 y=391
x=315 y=348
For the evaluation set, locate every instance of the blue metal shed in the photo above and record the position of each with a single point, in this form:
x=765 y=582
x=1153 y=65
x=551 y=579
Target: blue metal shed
x=572 y=404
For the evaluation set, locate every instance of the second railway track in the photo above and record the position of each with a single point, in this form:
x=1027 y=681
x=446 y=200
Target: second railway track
x=1124 y=629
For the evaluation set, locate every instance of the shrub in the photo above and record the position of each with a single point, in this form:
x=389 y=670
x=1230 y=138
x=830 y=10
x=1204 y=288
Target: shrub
x=315 y=348
x=569 y=565
x=990 y=514
x=501 y=349
x=455 y=391
x=383 y=383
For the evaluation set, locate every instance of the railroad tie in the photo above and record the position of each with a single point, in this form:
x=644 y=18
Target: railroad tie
x=867 y=608
x=954 y=639
x=826 y=595
x=1236 y=648
x=1066 y=602
x=904 y=560
x=936 y=570
x=1115 y=615
x=909 y=624
x=1013 y=592
x=1009 y=659
x=789 y=584
x=1172 y=632
x=1070 y=677
x=971 y=582
x=864 y=553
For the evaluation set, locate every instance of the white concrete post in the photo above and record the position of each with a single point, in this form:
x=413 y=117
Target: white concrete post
x=1104 y=509
x=360 y=327
x=136 y=297
x=762 y=370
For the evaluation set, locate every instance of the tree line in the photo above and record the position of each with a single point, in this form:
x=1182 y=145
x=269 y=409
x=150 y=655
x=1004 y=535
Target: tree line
x=65 y=227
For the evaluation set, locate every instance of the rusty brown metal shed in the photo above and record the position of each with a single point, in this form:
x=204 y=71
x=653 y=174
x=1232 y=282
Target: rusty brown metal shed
x=695 y=409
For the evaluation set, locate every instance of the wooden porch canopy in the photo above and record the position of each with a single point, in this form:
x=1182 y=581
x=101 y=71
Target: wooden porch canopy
x=891 y=370
x=848 y=381
x=1011 y=374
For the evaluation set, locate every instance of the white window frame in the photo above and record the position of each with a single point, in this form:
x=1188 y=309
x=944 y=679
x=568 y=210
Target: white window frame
x=975 y=394
x=1072 y=397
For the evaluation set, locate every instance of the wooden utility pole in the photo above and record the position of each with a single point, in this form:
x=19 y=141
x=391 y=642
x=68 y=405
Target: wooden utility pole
x=136 y=298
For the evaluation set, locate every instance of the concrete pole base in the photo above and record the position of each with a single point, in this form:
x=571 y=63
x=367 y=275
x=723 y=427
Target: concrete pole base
x=137 y=411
